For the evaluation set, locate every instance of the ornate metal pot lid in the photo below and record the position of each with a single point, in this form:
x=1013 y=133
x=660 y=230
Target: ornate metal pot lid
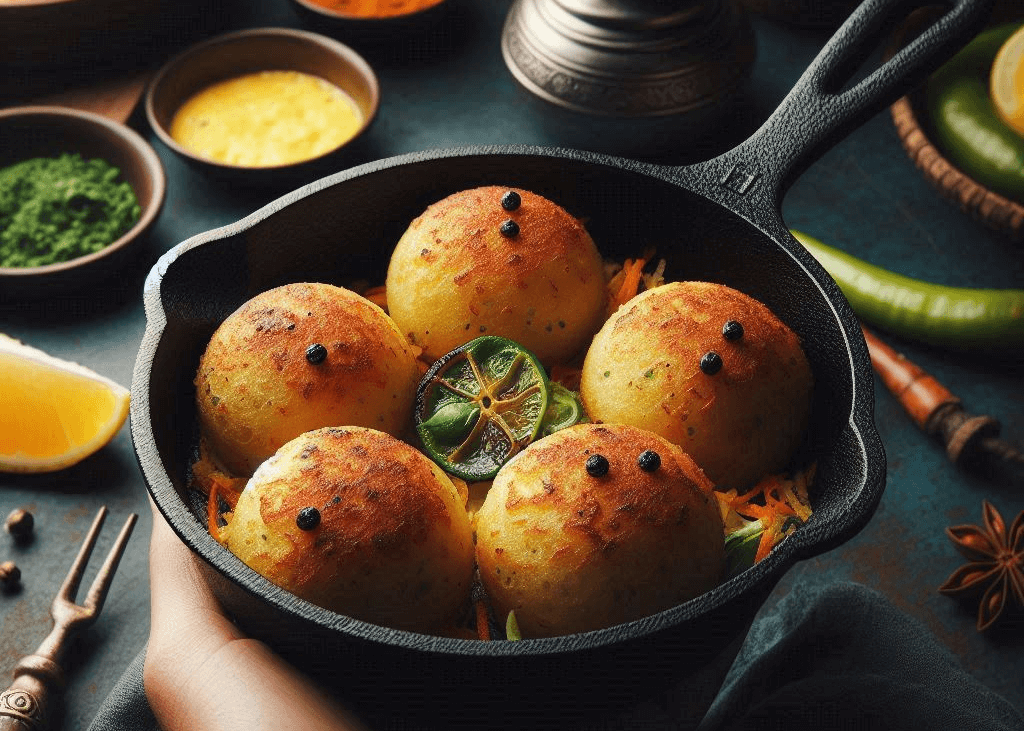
x=629 y=58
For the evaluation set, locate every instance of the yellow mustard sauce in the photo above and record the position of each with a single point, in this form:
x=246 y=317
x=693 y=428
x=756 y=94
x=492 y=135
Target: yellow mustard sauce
x=266 y=119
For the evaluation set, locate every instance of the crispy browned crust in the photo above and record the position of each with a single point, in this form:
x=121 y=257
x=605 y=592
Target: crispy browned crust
x=255 y=388
x=461 y=234
x=375 y=499
x=571 y=552
x=740 y=423
x=393 y=545
x=543 y=286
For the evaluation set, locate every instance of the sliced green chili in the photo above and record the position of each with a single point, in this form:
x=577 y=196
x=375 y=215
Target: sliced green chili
x=479 y=405
x=512 y=627
x=957 y=318
x=564 y=409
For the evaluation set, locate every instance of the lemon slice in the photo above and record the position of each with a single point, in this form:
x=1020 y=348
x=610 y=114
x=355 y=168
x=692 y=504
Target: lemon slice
x=53 y=413
x=1006 y=82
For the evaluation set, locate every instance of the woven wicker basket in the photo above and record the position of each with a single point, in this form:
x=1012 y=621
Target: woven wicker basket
x=991 y=209
x=982 y=204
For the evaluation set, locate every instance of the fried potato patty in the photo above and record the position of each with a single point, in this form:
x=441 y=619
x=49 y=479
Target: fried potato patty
x=461 y=270
x=257 y=388
x=387 y=541
x=736 y=398
x=573 y=549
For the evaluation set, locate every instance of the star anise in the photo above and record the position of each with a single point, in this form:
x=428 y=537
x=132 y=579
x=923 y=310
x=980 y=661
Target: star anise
x=996 y=564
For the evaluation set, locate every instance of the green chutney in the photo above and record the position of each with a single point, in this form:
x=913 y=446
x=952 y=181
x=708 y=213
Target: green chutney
x=60 y=208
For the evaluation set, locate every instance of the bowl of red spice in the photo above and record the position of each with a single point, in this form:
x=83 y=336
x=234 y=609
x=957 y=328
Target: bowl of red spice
x=77 y=191
x=384 y=30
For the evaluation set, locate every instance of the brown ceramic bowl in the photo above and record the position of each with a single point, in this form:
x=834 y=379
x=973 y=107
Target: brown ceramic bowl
x=39 y=131
x=418 y=28
x=250 y=51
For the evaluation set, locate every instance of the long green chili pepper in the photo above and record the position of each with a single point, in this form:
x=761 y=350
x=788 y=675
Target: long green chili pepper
x=956 y=318
x=965 y=124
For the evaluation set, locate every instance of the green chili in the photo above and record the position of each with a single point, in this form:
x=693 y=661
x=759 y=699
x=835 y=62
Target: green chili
x=964 y=122
x=957 y=318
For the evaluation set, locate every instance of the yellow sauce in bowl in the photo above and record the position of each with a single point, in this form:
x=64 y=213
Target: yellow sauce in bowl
x=267 y=119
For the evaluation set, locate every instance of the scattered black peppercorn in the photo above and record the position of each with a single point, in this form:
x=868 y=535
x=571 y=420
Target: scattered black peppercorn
x=510 y=201
x=597 y=465
x=732 y=330
x=509 y=229
x=20 y=523
x=711 y=363
x=649 y=460
x=308 y=519
x=316 y=353
x=10 y=574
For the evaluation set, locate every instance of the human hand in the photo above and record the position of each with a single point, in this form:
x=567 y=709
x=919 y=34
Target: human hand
x=201 y=672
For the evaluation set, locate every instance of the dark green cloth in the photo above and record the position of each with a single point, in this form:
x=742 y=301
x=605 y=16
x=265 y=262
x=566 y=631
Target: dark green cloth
x=842 y=656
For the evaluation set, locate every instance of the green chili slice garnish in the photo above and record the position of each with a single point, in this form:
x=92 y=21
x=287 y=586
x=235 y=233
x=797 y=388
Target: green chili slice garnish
x=564 y=409
x=480 y=405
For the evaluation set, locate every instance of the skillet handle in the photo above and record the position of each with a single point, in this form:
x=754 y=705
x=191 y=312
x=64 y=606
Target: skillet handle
x=818 y=112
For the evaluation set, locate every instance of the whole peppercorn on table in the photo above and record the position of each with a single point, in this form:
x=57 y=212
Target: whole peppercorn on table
x=864 y=197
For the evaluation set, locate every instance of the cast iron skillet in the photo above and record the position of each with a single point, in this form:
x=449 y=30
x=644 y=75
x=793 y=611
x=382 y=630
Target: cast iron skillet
x=718 y=220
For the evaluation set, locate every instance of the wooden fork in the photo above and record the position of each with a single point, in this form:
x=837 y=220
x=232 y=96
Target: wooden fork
x=30 y=702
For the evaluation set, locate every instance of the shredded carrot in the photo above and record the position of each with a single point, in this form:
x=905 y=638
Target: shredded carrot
x=776 y=501
x=630 y=282
x=378 y=296
x=792 y=498
x=769 y=537
x=212 y=512
x=210 y=478
x=626 y=282
x=567 y=375
x=483 y=627
x=220 y=487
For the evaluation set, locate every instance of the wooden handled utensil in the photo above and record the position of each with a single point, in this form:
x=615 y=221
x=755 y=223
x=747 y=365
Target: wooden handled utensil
x=30 y=702
x=937 y=411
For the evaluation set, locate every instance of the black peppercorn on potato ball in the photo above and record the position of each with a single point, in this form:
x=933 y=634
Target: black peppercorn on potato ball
x=596 y=525
x=710 y=369
x=494 y=261
x=359 y=522
x=296 y=358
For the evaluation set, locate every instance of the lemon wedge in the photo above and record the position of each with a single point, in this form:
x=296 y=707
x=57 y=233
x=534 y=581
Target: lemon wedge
x=1006 y=82
x=53 y=413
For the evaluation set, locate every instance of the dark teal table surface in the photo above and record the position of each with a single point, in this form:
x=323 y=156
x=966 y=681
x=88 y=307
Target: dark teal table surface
x=864 y=196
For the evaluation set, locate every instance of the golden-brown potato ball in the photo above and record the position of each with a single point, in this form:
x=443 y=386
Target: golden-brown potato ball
x=572 y=548
x=359 y=522
x=468 y=266
x=296 y=358
x=708 y=368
